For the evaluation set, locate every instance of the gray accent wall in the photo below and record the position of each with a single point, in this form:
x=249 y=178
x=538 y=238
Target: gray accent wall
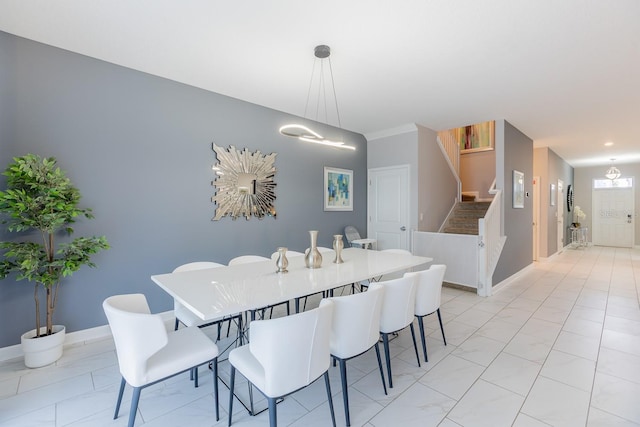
x=514 y=150
x=139 y=149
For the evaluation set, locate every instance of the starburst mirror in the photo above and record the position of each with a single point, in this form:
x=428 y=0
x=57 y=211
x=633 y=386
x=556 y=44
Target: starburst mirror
x=244 y=183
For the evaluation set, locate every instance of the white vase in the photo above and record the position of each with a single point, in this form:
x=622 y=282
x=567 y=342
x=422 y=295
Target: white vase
x=45 y=350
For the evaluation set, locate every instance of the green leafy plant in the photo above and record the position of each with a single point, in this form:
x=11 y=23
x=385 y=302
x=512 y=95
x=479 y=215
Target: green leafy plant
x=39 y=197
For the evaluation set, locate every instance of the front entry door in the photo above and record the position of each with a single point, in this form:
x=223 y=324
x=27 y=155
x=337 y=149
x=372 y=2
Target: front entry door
x=613 y=215
x=388 y=207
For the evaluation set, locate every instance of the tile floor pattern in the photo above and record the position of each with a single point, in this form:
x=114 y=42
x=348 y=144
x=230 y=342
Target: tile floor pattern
x=560 y=346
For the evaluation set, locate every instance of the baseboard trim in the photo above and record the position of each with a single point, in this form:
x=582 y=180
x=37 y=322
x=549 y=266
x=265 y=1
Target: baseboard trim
x=83 y=336
x=506 y=282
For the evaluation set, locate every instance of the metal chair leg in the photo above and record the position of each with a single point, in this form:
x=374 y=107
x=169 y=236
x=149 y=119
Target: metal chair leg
x=384 y=386
x=134 y=406
x=122 y=384
x=345 y=393
x=329 y=398
x=232 y=381
x=385 y=342
x=215 y=386
x=441 y=328
x=415 y=346
x=273 y=415
x=424 y=343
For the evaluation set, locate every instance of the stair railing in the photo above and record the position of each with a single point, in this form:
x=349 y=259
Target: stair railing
x=490 y=243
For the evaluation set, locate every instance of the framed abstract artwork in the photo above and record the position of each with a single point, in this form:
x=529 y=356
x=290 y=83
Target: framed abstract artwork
x=338 y=189
x=478 y=137
x=518 y=189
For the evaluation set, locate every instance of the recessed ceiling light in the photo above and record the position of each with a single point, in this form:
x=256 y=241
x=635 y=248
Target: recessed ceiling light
x=608 y=144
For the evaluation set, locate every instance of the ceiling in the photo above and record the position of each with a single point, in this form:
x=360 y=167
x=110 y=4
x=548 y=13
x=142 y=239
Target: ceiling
x=566 y=73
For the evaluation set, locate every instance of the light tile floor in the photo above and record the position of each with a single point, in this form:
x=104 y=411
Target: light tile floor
x=560 y=346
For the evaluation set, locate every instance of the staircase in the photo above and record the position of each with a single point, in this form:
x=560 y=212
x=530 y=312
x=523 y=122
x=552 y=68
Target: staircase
x=464 y=218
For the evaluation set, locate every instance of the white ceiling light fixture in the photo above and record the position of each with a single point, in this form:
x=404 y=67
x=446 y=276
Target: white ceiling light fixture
x=303 y=133
x=613 y=172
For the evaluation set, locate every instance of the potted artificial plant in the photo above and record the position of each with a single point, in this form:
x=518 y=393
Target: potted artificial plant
x=40 y=198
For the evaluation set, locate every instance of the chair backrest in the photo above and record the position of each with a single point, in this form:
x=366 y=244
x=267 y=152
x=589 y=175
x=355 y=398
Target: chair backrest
x=137 y=334
x=351 y=233
x=274 y=256
x=244 y=259
x=293 y=350
x=356 y=321
x=398 y=303
x=428 y=288
x=198 y=265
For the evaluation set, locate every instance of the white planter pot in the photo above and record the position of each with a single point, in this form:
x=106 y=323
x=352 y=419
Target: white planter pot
x=45 y=350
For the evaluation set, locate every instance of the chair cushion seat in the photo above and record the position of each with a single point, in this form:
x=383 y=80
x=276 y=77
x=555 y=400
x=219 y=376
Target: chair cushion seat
x=186 y=348
x=245 y=362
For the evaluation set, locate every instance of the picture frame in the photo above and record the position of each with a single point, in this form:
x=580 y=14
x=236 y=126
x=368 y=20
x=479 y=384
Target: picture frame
x=518 y=189
x=475 y=138
x=552 y=194
x=338 y=189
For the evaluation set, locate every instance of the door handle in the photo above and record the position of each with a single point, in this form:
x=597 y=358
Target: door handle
x=403 y=228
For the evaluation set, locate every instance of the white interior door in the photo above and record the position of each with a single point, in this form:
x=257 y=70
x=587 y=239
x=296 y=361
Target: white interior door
x=560 y=214
x=388 y=207
x=613 y=214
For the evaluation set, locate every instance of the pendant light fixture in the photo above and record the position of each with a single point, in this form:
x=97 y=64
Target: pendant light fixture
x=303 y=133
x=613 y=172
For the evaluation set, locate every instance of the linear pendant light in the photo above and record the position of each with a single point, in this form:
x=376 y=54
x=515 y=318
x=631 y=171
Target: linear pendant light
x=303 y=133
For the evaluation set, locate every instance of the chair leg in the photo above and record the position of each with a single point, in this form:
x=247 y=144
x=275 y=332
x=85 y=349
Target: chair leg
x=232 y=381
x=424 y=343
x=385 y=342
x=214 y=365
x=273 y=415
x=134 y=405
x=228 y=327
x=194 y=372
x=415 y=346
x=329 y=398
x=441 y=328
x=122 y=383
x=175 y=326
x=384 y=386
x=288 y=309
x=345 y=393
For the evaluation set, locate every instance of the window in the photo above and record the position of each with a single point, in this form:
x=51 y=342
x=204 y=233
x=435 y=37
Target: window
x=615 y=183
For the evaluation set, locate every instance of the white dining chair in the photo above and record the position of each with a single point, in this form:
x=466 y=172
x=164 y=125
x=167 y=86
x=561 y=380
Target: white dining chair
x=428 y=296
x=246 y=259
x=397 y=313
x=148 y=354
x=354 y=331
x=188 y=318
x=285 y=355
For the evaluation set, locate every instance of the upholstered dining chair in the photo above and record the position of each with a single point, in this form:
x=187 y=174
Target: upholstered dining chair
x=428 y=296
x=398 y=307
x=148 y=354
x=354 y=331
x=285 y=355
x=246 y=259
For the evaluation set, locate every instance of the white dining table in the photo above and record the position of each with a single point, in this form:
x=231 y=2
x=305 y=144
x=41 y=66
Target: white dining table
x=223 y=291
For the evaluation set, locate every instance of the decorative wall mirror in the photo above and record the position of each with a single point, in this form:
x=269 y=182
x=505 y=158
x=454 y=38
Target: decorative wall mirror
x=244 y=183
